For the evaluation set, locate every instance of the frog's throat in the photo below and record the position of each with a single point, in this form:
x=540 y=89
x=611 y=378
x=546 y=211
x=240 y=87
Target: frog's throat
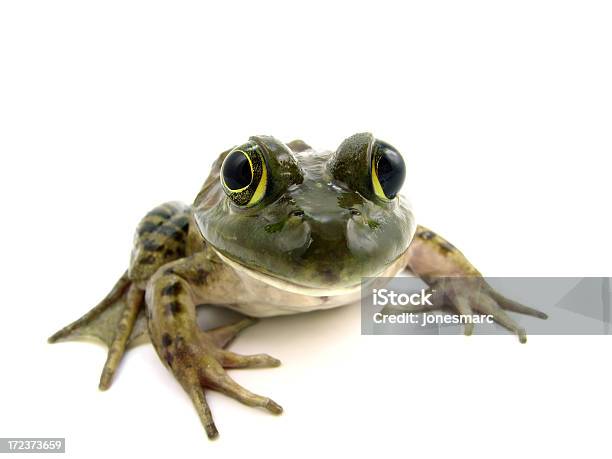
x=289 y=286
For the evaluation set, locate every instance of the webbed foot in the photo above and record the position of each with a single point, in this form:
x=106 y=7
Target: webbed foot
x=116 y=320
x=473 y=295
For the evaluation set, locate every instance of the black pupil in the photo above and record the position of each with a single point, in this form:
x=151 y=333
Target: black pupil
x=391 y=171
x=237 y=171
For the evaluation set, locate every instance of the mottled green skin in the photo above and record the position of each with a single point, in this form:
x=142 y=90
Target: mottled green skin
x=318 y=226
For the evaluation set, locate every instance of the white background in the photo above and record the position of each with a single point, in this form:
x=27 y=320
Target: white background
x=503 y=113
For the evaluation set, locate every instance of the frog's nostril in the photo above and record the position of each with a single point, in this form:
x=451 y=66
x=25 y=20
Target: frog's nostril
x=296 y=213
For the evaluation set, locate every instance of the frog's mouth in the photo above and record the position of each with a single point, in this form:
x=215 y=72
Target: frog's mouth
x=287 y=285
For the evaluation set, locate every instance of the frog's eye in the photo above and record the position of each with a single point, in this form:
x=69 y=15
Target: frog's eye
x=244 y=175
x=369 y=166
x=387 y=169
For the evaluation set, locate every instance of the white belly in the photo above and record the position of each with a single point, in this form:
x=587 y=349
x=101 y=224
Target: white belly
x=258 y=295
x=258 y=308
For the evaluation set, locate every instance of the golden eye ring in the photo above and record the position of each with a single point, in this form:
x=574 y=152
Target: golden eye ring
x=388 y=171
x=244 y=175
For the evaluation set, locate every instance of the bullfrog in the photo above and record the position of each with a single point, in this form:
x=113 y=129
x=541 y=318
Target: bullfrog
x=275 y=229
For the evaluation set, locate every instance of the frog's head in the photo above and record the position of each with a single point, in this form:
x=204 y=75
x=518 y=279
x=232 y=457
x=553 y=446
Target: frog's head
x=314 y=222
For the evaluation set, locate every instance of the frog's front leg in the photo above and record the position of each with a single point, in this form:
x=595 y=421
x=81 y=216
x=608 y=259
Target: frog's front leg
x=197 y=358
x=458 y=285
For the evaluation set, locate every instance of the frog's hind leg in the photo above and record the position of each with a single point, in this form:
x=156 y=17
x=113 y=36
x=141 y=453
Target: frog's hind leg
x=118 y=321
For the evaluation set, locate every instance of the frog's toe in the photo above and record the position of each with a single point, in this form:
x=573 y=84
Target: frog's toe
x=217 y=379
x=232 y=360
x=200 y=366
x=511 y=305
x=466 y=303
x=466 y=296
x=213 y=376
x=222 y=336
x=208 y=373
x=134 y=301
x=201 y=405
x=488 y=305
x=463 y=307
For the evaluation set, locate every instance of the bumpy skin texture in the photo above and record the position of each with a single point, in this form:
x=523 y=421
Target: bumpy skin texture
x=319 y=228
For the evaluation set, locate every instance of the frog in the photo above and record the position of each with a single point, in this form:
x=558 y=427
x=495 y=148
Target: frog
x=276 y=228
